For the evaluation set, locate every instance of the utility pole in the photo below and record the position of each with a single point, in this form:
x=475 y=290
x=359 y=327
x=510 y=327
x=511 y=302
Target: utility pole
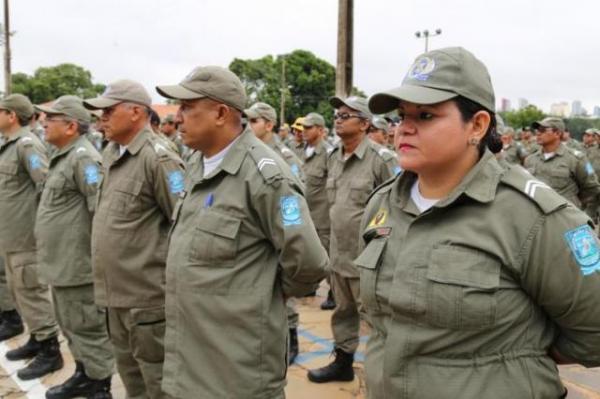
x=7 y=73
x=426 y=35
x=343 y=72
x=283 y=91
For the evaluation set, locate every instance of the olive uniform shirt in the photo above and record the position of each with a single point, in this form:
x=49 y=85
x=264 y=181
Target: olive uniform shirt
x=23 y=170
x=315 y=172
x=592 y=153
x=349 y=183
x=133 y=217
x=514 y=153
x=466 y=302
x=568 y=172
x=242 y=240
x=64 y=219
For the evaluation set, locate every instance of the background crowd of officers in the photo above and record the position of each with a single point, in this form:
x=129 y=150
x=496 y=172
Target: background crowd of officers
x=111 y=229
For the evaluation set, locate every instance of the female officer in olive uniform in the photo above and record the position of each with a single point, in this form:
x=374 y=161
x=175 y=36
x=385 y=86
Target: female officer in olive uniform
x=477 y=279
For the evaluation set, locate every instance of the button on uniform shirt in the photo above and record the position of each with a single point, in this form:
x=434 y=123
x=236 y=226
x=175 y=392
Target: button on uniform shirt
x=23 y=170
x=466 y=302
x=568 y=172
x=315 y=172
x=349 y=183
x=133 y=217
x=242 y=240
x=64 y=218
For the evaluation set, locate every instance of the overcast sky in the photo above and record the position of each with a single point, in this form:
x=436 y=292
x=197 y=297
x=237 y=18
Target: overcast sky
x=543 y=50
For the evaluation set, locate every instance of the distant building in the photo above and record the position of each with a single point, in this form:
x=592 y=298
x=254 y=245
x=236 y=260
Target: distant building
x=523 y=103
x=596 y=112
x=576 y=108
x=505 y=105
x=561 y=109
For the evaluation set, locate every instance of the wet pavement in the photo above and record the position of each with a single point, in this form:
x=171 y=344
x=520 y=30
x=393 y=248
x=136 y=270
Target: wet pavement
x=315 y=351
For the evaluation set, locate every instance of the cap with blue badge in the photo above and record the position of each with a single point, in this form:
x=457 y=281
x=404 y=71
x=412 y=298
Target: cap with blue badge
x=438 y=76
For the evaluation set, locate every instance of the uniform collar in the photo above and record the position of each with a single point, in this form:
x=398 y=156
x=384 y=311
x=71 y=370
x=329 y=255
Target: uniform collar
x=319 y=149
x=479 y=184
x=18 y=134
x=66 y=149
x=138 y=141
x=359 y=151
x=236 y=154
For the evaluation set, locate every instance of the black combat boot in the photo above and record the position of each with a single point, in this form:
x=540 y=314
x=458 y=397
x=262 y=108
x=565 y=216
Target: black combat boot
x=47 y=360
x=328 y=303
x=293 y=350
x=338 y=370
x=11 y=326
x=27 y=351
x=81 y=385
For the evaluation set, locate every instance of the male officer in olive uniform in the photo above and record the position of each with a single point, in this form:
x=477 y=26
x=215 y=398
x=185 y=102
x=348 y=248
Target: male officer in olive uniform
x=528 y=141
x=378 y=131
x=242 y=242
x=168 y=127
x=566 y=170
x=142 y=180
x=354 y=169
x=315 y=170
x=592 y=150
x=298 y=141
x=63 y=233
x=570 y=141
x=23 y=169
x=512 y=151
x=262 y=118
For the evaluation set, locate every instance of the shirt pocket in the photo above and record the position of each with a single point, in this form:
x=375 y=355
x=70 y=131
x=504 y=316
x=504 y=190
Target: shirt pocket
x=54 y=191
x=216 y=239
x=360 y=190
x=125 y=199
x=368 y=263
x=8 y=175
x=559 y=178
x=461 y=288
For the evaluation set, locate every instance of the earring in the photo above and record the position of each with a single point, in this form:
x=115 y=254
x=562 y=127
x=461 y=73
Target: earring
x=473 y=141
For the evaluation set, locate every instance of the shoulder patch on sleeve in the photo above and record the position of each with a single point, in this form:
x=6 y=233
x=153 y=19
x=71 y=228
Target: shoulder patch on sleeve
x=584 y=247
x=386 y=154
x=92 y=175
x=291 y=214
x=267 y=166
x=537 y=191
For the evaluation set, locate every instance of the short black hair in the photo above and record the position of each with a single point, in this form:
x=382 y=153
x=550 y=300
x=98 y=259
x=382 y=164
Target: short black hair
x=154 y=118
x=468 y=109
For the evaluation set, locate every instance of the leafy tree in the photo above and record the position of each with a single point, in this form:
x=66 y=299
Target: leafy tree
x=310 y=81
x=48 y=83
x=577 y=126
x=523 y=117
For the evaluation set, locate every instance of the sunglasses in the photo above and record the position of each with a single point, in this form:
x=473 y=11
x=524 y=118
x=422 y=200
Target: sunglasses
x=345 y=116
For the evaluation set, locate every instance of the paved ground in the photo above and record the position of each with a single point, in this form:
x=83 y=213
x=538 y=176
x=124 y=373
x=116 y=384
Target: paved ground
x=315 y=348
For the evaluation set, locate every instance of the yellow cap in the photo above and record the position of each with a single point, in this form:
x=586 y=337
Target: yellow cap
x=299 y=124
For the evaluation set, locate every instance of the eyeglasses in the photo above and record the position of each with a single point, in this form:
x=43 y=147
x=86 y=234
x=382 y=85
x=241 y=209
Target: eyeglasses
x=345 y=116
x=58 y=119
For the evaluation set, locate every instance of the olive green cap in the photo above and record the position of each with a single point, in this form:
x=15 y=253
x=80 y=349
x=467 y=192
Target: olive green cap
x=551 y=121
x=262 y=110
x=313 y=119
x=356 y=103
x=19 y=104
x=590 y=131
x=380 y=123
x=121 y=91
x=71 y=106
x=217 y=83
x=437 y=76
x=170 y=118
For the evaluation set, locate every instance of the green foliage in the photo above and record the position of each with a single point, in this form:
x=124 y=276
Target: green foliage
x=523 y=117
x=310 y=81
x=579 y=125
x=48 y=83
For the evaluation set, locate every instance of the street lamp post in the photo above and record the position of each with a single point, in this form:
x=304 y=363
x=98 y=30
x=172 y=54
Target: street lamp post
x=426 y=35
